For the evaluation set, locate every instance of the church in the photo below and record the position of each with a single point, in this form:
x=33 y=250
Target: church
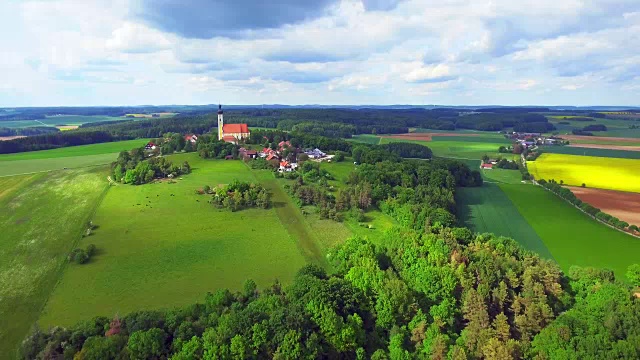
x=231 y=132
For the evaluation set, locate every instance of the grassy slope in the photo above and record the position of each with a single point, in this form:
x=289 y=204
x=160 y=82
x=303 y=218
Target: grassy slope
x=596 y=172
x=572 y=237
x=488 y=209
x=41 y=218
x=171 y=250
x=364 y=138
x=458 y=148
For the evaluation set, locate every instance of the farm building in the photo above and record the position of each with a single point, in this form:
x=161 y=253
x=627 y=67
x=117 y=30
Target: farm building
x=315 y=153
x=286 y=166
x=150 y=146
x=486 y=166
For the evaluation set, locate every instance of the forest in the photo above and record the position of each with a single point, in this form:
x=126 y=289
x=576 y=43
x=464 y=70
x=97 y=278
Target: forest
x=438 y=294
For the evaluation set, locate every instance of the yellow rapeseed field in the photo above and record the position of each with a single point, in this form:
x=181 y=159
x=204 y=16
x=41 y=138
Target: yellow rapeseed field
x=595 y=172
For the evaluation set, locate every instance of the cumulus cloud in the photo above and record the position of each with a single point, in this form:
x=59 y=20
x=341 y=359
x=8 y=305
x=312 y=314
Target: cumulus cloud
x=137 y=39
x=231 y=18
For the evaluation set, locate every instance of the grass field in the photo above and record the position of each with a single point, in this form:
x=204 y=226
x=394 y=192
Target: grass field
x=82 y=150
x=42 y=216
x=68 y=157
x=596 y=172
x=156 y=250
x=569 y=150
x=488 y=209
x=572 y=237
x=367 y=139
x=59 y=120
x=459 y=149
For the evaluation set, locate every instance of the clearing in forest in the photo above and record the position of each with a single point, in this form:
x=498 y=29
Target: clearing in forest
x=595 y=172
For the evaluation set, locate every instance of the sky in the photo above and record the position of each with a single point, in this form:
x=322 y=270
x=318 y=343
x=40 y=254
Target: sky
x=448 y=52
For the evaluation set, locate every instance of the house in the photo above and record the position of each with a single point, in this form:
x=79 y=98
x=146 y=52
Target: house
x=486 y=166
x=191 y=138
x=286 y=166
x=284 y=144
x=231 y=132
x=269 y=154
x=272 y=156
x=251 y=154
x=315 y=153
x=150 y=146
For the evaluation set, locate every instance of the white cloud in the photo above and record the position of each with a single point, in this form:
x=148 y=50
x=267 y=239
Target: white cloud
x=137 y=39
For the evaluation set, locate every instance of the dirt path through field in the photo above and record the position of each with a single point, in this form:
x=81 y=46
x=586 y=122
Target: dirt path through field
x=623 y=205
x=423 y=136
x=608 y=147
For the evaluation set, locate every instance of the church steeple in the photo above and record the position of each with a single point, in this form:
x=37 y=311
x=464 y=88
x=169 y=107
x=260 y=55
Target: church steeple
x=220 y=122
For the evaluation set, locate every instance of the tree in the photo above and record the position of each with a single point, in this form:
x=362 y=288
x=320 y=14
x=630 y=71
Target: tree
x=339 y=156
x=633 y=274
x=146 y=344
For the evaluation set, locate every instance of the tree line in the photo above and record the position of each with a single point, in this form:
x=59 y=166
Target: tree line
x=568 y=195
x=439 y=294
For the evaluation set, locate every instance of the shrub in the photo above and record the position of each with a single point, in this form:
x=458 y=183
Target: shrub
x=80 y=256
x=91 y=249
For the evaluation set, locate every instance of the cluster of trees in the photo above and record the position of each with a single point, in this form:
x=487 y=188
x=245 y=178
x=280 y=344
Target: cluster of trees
x=568 y=195
x=507 y=164
x=595 y=127
x=447 y=294
x=581 y=132
x=328 y=129
x=82 y=256
x=209 y=147
x=240 y=195
x=132 y=168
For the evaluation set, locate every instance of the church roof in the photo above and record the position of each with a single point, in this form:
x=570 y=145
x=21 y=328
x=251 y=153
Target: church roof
x=235 y=128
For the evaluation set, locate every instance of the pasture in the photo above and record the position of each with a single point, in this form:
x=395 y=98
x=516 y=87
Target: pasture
x=618 y=152
x=162 y=245
x=365 y=138
x=42 y=216
x=572 y=237
x=488 y=209
x=595 y=172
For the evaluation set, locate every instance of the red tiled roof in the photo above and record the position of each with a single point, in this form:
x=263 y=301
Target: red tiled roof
x=229 y=139
x=284 y=163
x=252 y=152
x=487 y=166
x=235 y=128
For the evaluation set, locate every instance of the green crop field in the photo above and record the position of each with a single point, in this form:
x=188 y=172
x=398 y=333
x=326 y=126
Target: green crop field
x=595 y=172
x=42 y=216
x=488 y=209
x=459 y=148
x=156 y=250
x=60 y=120
x=572 y=237
x=68 y=157
x=570 y=150
x=82 y=150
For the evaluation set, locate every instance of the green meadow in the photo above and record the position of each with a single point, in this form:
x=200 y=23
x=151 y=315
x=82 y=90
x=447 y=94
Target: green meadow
x=572 y=237
x=162 y=245
x=459 y=147
x=365 y=138
x=60 y=120
x=42 y=217
x=67 y=157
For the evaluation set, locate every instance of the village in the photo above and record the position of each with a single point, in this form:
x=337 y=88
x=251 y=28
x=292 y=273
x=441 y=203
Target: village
x=284 y=158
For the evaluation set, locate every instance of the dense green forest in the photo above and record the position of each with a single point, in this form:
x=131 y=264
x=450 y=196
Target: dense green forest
x=436 y=294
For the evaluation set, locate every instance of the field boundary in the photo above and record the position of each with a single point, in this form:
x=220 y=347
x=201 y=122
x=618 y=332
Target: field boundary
x=65 y=263
x=586 y=213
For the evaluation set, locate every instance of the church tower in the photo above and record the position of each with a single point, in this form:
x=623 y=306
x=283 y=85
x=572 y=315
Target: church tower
x=220 y=123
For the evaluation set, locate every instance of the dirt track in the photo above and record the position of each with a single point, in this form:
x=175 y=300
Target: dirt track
x=608 y=147
x=423 y=136
x=599 y=138
x=623 y=205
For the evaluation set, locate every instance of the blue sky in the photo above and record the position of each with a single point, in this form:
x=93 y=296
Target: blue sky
x=132 y=52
